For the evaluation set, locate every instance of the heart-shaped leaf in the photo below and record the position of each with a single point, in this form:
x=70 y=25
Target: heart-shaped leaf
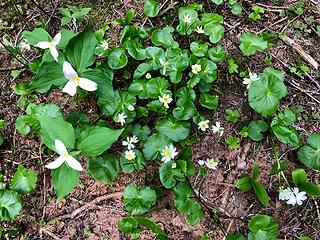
x=309 y=154
x=24 y=180
x=175 y=130
x=10 y=204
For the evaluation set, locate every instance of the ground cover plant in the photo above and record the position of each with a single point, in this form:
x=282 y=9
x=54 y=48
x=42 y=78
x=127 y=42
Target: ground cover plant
x=120 y=109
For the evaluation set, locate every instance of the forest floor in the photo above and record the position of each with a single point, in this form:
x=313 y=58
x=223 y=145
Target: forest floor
x=92 y=210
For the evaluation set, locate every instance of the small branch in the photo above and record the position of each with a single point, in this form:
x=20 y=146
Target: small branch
x=171 y=6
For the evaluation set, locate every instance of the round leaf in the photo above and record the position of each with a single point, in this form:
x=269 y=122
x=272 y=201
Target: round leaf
x=154 y=145
x=175 y=130
x=10 y=205
x=309 y=154
x=117 y=58
x=151 y=8
x=24 y=180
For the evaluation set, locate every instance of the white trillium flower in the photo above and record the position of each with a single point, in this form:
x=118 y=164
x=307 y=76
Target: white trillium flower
x=64 y=157
x=148 y=76
x=168 y=153
x=293 y=196
x=187 y=18
x=51 y=46
x=165 y=99
x=130 y=155
x=196 y=68
x=203 y=125
x=212 y=163
x=104 y=45
x=130 y=142
x=120 y=118
x=252 y=78
x=199 y=29
x=131 y=107
x=218 y=129
x=75 y=81
x=201 y=162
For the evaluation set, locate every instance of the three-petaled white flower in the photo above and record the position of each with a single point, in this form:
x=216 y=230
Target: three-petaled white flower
x=130 y=142
x=130 y=155
x=212 y=163
x=148 y=76
x=64 y=157
x=203 y=125
x=104 y=45
x=252 y=78
x=200 y=29
x=165 y=99
x=218 y=129
x=187 y=18
x=196 y=68
x=293 y=196
x=75 y=81
x=168 y=153
x=120 y=118
x=51 y=46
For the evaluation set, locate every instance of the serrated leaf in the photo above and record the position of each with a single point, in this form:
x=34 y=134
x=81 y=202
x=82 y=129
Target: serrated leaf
x=10 y=205
x=250 y=43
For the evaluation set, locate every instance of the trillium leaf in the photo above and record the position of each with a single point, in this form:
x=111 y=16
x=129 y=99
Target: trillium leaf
x=250 y=44
x=175 y=130
x=266 y=93
x=209 y=101
x=244 y=184
x=129 y=166
x=36 y=36
x=66 y=35
x=10 y=204
x=137 y=201
x=117 y=58
x=154 y=145
x=95 y=140
x=151 y=8
x=80 y=49
x=55 y=128
x=263 y=227
x=261 y=192
x=309 y=154
x=24 y=180
x=64 y=180
x=104 y=168
x=79 y=120
x=256 y=128
x=163 y=38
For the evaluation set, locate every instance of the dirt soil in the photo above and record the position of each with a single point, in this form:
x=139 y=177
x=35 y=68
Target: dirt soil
x=92 y=210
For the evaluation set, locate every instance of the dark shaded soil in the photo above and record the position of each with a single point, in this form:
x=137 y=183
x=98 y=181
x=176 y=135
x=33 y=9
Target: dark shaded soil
x=44 y=218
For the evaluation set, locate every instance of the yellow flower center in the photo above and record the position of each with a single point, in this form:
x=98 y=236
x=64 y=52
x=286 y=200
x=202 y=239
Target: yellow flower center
x=166 y=153
x=75 y=79
x=166 y=99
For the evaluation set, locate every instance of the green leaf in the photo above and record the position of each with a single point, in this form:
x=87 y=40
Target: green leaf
x=299 y=177
x=263 y=227
x=24 y=180
x=250 y=43
x=154 y=145
x=244 y=184
x=169 y=175
x=151 y=8
x=129 y=166
x=215 y=31
x=64 y=180
x=142 y=132
x=256 y=128
x=233 y=115
x=266 y=93
x=137 y=201
x=233 y=142
x=157 y=87
x=175 y=130
x=261 y=192
x=36 y=36
x=104 y=168
x=10 y=205
x=95 y=140
x=236 y=9
x=217 y=53
x=128 y=225
x=80 y=49
x=218 y=2
x=209 y=101
x=199 y=49
x=117 y=58
x=54 y=128
x=237 y=236
x=163 y=38
x=141 y=70
x=277 y=169
x=66 y=35
x=185 y=204
x=309 y=154
x=79 y=120
x=187 y=28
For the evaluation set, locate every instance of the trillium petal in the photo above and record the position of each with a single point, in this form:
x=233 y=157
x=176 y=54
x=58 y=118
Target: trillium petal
x=87 y=84
x=56 y=163
x=68 y=70
x=70 y=88
x=43 y=45
x=56 y=39
x=73 y=163
x=60 y=147
x=54 y=53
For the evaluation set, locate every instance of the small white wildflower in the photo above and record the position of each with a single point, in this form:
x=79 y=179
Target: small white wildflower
x=168 y=153
x=51 y=46
x=293 y=196
x=252 y=78
x=120 y=118
x=199 y=29
x=165 y=99
x=104 y=45
x=130 y=155
x=130 y=142
x=201 y=162
x=203 y=125
x=285 y=194
x=148 y=76
x=212 y=163
x=187 y=18
x=218 y=129
x=131 y=107
x=174 y=165
x=24 y=45
x=196 y=68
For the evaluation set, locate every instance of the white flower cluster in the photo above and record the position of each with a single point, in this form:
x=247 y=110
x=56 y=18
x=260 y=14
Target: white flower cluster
x=211 y=163
x=204 y=125
x=292 y=196
x=130 y=143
